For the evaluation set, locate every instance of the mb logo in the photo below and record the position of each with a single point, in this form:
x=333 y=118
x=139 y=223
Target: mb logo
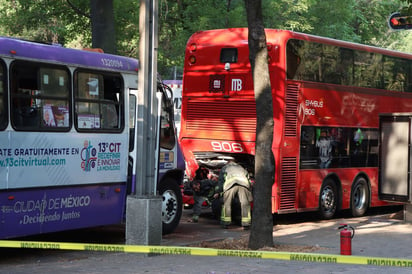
x=236 y=84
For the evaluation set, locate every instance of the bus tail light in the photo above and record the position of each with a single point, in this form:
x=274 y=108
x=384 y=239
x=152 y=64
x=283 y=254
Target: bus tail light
x=192 y=59
x=10 y=198
x=117 y=190
x=193 y=47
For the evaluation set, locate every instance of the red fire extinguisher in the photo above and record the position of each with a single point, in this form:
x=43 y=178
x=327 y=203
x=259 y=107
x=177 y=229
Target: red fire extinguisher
x=346 y=239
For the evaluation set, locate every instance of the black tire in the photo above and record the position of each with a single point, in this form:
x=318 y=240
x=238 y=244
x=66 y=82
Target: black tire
x=171 y=205
x=328 y=199
x=359 y=197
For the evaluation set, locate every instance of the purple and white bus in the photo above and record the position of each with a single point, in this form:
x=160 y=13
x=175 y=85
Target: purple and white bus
x=67 y=140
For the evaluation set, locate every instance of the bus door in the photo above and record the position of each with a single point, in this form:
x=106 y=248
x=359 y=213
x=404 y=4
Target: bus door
x=131 y=180
x=166 y=141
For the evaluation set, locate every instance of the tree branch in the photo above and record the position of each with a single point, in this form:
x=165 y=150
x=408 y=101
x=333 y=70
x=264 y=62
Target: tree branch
x=77 y=10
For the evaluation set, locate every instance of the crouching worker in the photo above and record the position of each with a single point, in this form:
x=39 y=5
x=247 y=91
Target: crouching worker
x=203 y=190
x=234 y=180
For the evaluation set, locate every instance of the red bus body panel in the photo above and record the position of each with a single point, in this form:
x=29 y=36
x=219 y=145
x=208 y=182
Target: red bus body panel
x=217 y=116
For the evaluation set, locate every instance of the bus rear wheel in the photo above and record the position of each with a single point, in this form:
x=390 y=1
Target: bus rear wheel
x=171 y=205
x=328 y=199
x=359 y=198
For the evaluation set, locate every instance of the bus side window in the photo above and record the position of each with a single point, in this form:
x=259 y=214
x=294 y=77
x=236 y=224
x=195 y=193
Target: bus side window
x=89 y=88
x=345 y=66
x=54 y=89
x=25 y=111
x=3 y=97
x=292 y=58
x=396 y=74
x=110 y=107
x=167 y=129
x=98 y=100
x=110 y=117
x=343 y=147
x=40 y=96
x=167 y=134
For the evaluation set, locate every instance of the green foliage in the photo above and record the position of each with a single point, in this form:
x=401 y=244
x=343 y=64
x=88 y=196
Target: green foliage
x=338 y=25
x=45 y=20
x=180 y=19
x=406 y=10
x=126 y=14
x=363 y=21
x=372 y=22
x=287 y=14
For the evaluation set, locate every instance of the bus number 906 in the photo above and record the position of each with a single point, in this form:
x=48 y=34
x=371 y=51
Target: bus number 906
x=227 y=146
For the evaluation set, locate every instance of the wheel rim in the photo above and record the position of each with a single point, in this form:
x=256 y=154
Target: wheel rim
x=359 y=196
x=328 y=199
x=169 y=206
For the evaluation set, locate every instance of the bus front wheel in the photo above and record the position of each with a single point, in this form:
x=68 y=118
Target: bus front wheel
x=359 y=198
x=171 y=205
x=328 y=199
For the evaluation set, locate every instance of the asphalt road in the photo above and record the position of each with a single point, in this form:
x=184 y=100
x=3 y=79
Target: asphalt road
x=377 y=234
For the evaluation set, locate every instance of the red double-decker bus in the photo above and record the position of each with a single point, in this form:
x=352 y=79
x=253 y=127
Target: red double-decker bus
x=327 y=96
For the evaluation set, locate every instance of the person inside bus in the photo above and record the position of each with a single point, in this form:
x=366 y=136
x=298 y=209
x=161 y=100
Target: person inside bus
x=234 y=180
x=203 y=190
x=358 y=138
x=325 y=145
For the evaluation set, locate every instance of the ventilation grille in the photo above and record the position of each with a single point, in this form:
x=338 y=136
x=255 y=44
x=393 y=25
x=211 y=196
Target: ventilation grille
x=291 y=110
x=288 y=183
x=231 y=116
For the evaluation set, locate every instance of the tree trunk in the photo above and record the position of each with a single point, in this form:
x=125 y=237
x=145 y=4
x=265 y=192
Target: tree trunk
x=261 y=233
x=103 y=32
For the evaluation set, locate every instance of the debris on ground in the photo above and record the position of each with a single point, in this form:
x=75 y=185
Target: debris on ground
x=242 y=244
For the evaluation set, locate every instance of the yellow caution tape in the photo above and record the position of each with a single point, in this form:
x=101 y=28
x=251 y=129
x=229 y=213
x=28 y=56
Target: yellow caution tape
x=199 y=251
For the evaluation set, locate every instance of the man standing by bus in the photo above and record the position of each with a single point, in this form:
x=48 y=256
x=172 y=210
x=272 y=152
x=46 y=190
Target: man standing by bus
x=234 y=179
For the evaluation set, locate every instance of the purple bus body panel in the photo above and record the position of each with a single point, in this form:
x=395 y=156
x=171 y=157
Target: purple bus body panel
x=24 y=49
x=133 y=190
x=36 y=211
x=180 y=158
x=173 y=82
x=51 y=208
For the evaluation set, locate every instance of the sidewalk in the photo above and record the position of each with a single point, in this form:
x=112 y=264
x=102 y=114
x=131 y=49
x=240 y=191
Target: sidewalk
x=375 y=236
x=379 y=235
